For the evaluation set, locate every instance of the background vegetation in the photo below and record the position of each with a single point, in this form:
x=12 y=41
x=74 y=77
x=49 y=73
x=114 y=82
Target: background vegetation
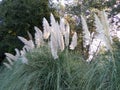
x=17 y=17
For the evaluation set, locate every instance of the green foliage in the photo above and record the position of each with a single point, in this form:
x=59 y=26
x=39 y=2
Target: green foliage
x=18 y=17
x=83 y=5
x=22 y=15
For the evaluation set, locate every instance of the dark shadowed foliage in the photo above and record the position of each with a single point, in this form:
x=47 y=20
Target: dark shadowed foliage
x=16 y=18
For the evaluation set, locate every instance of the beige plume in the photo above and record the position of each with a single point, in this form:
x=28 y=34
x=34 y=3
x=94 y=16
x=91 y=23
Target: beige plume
x=101 y=32
x=46 y=29
x=74 y=41
x=27 y=42
x=67 y=34
x=86 y=33
x=38 y=37
x=9 y=55
x=54 y=45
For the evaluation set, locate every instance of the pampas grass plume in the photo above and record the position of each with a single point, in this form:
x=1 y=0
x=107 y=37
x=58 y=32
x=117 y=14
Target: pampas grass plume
x=46 y=29
x=67 y=34
x=38 y=37
x=59 y=37
x=100 y=29
x=54 y=45
x=86 y=33
x=62 y=26
x=9 y=55
x=74 y=41
x=26 y=42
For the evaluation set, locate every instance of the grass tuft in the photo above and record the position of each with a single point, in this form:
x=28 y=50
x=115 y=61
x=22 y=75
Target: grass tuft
x=69 y=72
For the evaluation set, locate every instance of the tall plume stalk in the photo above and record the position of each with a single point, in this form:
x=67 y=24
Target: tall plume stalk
x=86 y=33
x=104 y=20
x=86 y=37
x=106 y=26
x=67 y=33
x=38 y=37
x=57 y=41
x=103 y=28
x=46 y=29
x=74 y=41
x=102 y=32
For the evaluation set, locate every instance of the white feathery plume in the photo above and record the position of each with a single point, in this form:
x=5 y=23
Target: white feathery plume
x=101 y=33
x=99 y=29
x=52 y=19
x=92 y=35
x=46 y=29
x=67 y=34
x=105 y=23
x=62 y=26
x=31 y=44
x=61 y=42
x=27 y=42
x=60 y=38
x=17 y=52
x=98 y=25
x=54 y=45
x=106 y=27
x=94 y=48
x=74 y=41
x=22 y=52
x=89 y=58
x=86 y=33
x=23 y=58
x=56 y=38
x=38 y=37
x=9 y=60
x=11 y=56
x=7 y=65
x=55 y=30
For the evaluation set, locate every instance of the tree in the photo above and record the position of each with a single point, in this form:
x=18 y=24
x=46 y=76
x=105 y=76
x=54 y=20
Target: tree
x=18 y=17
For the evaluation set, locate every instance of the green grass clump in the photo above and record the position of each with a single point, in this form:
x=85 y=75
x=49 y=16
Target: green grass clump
x=42 y=72
x=69 y=72
x=103 y=73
